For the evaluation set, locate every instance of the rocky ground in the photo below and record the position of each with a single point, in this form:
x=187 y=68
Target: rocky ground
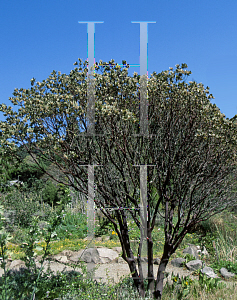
x=111 y=266
x=110 y=271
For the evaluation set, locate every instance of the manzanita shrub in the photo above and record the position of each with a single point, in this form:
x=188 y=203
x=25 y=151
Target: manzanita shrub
x=190 y=145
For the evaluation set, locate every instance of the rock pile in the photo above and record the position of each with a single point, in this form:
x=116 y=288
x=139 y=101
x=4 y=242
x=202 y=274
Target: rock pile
x=102 y=255
x=196 y=264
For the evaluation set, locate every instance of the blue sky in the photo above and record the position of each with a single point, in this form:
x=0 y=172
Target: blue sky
x=37 y=37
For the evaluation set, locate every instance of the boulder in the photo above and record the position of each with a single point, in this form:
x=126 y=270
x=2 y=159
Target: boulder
x=194 y=265
x=15 y=267
x=57 y=267
x=17 y=264
x=191 y=250
x=73 y=257
x=178 y=262
x=97 y=255
x=209 y=272
x=61 y=258
x=118 y=249
x=89 y=255
x=107 y=255
x=226 y=274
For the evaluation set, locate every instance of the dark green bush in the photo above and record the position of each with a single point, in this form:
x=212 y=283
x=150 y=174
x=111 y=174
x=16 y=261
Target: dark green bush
x=74 y=225
x=50 y=286
x=206 y=232
x=50 y=194
x=20 y=208
x=103 y=227
x=55 y=195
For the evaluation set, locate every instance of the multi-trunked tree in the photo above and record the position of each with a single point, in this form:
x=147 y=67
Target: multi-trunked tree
x=189 y=153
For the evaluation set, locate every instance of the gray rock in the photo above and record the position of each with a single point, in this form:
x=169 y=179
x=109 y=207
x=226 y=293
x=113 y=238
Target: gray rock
x=61 y=258
x=209 y=272
x=107 y=255
x=56 y=267
x=178 y=262
x=194 y=265
x=76 y=256
x=118 y=249
x=96 y=255
x=17 y=264
x=90 y=255
x=192 y=250
x=226 y=274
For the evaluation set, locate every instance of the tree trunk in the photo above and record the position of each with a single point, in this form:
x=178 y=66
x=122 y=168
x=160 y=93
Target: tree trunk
x=129 y=258
x=150 y=273
x=139 y=283
x=160 y=274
